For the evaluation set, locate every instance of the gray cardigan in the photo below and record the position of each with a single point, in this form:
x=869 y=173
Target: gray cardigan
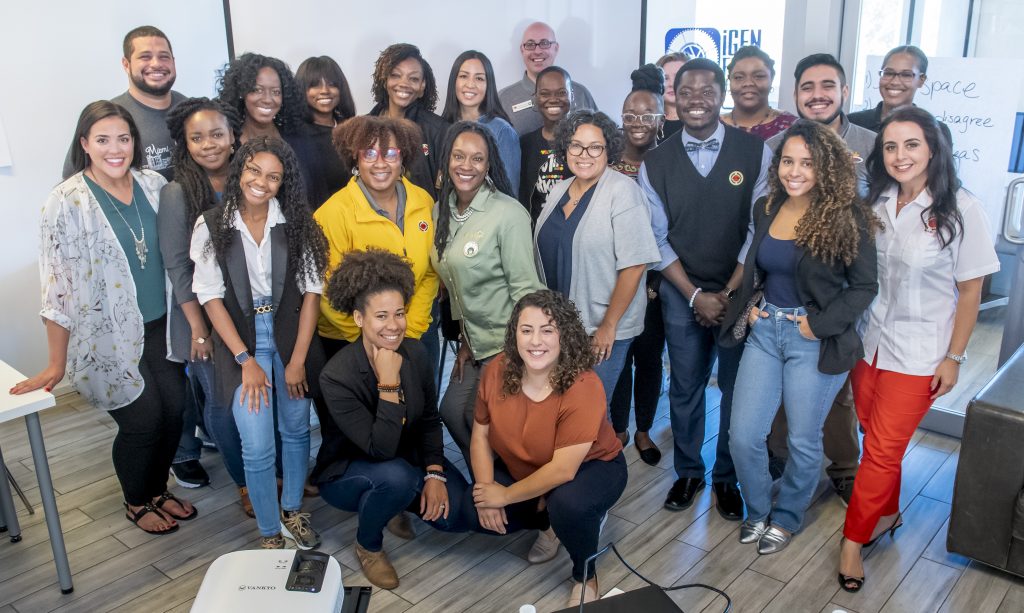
x=614 y=233
x=175 y=238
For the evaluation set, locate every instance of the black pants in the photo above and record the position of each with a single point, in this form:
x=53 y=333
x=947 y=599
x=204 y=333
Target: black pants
x=149 y=428
x=574 y=509
x=644 y=387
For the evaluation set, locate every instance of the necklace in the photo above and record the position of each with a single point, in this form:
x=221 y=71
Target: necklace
x=767 y=115
x=461 y=217
x=141 y=250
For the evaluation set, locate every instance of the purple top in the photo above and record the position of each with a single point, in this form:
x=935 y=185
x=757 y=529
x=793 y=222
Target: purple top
x=766 y=130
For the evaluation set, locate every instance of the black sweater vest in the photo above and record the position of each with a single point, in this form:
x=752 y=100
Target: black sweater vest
x=708 y=216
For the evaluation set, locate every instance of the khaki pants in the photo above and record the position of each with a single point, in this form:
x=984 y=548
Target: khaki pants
x=840 y=441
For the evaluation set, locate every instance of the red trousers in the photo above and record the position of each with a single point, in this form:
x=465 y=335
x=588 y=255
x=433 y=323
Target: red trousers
x=889 y=405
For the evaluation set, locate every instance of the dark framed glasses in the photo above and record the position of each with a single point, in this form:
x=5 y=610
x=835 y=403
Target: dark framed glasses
x=544 y=43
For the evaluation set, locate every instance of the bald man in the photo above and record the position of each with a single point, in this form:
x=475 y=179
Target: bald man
x=539 y=49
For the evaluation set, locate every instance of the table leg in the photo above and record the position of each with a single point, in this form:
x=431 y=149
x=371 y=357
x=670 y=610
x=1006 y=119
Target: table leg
x=60 y=554
x=8 y=514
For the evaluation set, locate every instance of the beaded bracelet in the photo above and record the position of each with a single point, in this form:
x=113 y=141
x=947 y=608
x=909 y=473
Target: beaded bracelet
x=694 y=296
x=435 y=474
x=385 y=388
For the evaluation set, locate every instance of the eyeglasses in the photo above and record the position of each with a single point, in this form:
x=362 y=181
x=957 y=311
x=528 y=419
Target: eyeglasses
x=647 y=119
x=544 y=43
x=905 y=76
x=593 y=151
x=391 y=155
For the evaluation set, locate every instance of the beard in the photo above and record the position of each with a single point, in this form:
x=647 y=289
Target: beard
x=146 y=88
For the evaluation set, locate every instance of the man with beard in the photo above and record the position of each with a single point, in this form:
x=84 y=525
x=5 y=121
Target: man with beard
x=700 y=185
x=539 y=50
x=149 y=63
x=821 y=91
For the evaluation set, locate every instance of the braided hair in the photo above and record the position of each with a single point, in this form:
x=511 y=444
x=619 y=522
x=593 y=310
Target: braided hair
x=307 y=245
x=498 y=179
x=192 y=177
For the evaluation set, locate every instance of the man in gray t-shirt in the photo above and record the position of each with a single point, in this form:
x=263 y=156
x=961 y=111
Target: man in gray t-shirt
x=539 y=49
x=149 y=63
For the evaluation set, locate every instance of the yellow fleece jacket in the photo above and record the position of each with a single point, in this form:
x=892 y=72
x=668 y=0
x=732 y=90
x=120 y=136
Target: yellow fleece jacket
x=350 y=222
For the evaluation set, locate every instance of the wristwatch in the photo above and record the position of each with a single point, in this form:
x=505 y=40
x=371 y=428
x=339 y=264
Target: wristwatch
x=242 y=357
x=959 y=358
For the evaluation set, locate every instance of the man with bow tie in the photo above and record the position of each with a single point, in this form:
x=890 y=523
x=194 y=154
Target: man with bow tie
x=700 y=189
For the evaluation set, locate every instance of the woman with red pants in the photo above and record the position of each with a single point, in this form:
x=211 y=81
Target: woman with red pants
x=933 y=255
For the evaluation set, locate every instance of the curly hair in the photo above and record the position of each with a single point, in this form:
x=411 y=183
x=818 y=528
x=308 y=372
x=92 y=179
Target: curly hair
x=307 y=245
x=311 y=72
x=362 y=132
x=362 y=274
x=575 y=354
x=566 y=128
x=495 y=173
x=393 y=56
x=942 y=181
x=238 y=79
x=191 y=176
x=831 y=228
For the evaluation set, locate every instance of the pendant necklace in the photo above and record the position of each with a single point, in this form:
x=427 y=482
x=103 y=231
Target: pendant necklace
x=140 y=243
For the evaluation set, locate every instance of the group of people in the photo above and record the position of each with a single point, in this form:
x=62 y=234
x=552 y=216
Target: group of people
x=302 y=255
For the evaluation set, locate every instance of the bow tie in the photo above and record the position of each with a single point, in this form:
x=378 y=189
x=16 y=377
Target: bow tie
x=710 y=145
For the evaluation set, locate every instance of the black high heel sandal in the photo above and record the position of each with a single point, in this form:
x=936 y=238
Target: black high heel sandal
x=896 y=524
x=849 y=583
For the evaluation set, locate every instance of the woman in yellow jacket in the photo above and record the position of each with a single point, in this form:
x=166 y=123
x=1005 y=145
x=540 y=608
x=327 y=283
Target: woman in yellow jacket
x=378 y=208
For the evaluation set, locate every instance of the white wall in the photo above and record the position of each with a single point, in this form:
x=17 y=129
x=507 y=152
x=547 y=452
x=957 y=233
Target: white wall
x=58 y=57
x=599 y=41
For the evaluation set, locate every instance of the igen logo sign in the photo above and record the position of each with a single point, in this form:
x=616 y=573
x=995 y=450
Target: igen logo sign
x=711 y=43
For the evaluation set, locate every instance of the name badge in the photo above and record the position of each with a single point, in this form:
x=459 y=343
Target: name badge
x=522 y=106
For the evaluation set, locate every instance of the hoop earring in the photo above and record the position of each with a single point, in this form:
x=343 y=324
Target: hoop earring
x=355 y=171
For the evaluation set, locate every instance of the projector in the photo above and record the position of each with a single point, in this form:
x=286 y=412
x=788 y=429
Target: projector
x=271 y=580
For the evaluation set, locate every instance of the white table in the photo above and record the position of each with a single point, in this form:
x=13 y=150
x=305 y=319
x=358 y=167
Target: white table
x=28 y=406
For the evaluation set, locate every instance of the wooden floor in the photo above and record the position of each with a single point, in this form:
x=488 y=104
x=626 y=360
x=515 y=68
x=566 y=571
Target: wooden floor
x=118 y=567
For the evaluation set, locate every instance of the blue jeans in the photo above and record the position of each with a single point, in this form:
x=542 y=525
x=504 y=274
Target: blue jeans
x=780 y=364
x=380 y=490
x=257 y=433
x=220 y=422
x=189 y=445
x=609 y=370
x=692 y=349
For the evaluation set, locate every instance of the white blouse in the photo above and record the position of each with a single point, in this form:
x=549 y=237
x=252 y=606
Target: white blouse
x=208 y=280
x=87 y=288
x=910 y=323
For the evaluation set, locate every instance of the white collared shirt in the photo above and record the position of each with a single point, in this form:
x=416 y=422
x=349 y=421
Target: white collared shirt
x=208 y=279
x=910 y=323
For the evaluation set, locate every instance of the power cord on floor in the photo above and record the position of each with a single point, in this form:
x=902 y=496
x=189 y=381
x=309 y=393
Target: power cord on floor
x=611 y=545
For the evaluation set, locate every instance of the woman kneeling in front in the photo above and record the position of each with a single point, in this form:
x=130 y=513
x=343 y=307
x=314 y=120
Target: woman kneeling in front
x=387 y=449
x=541 y=411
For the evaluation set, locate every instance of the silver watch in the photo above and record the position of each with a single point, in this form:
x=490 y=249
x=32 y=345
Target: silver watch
x=958 y=358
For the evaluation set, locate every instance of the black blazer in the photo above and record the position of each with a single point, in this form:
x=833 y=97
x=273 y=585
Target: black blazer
x=835 y=295
x=372 y=429
x=238 y=302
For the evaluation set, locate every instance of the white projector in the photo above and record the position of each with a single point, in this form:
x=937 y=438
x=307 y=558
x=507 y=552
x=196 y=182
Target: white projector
x=272 y=581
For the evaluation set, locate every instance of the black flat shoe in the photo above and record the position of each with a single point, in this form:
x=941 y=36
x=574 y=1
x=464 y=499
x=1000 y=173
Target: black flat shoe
x=680 y=497
x=728 y=501
x=649 y=456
